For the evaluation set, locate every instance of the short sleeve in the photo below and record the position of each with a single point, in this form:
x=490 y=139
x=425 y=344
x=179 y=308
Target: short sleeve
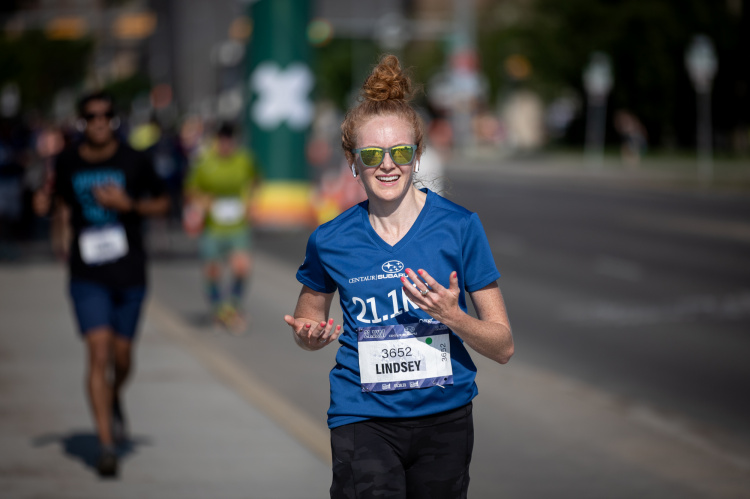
x=312 y=273
x=62 y=186
x=479 y=264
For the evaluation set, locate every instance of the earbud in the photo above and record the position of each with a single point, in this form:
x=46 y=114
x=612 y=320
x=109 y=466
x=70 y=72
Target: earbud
x=416 y=167
x=114 y=123
x=354 y=171
x=81 y=125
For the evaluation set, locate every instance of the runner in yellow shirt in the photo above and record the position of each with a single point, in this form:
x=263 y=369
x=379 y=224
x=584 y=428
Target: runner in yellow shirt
x=220 y=186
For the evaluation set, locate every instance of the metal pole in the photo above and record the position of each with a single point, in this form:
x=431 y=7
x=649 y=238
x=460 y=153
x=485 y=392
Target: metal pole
x=464 y=42
x=601 y=122
x=705 y=146
x=590 y=127
x=595 y=122
x=701 y=63
x=597 y=79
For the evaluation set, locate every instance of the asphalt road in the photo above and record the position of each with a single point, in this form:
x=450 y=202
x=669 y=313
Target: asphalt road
x=630 y=308
x=645 y=294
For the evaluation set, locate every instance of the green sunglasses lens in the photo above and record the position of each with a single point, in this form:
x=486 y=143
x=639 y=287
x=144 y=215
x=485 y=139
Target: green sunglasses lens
x=402 y=155
x=371 y=156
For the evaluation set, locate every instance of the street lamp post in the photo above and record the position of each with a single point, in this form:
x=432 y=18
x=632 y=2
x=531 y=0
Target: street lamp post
x=464 y=72
x=701 y=64
x=597 y=80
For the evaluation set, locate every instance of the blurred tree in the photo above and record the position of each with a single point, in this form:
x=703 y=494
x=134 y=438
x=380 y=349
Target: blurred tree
x=646 y=41
x=337 y=73
x=9 y=6
x=333 y=73
x=125 y=90
x=424 y=59
x=42 y=67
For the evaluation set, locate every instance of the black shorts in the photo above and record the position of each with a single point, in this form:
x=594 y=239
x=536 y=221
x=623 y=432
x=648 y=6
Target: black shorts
x=425 y=457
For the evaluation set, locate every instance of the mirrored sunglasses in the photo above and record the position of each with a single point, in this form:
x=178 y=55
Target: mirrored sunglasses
x=371 y=157
x=92 y=116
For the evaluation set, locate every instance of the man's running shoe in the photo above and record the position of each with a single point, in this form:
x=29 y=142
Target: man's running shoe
x=106 y=465
x=119 y=428
x=229 y=318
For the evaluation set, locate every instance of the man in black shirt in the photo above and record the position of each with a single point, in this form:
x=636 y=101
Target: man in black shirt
x=103 y=189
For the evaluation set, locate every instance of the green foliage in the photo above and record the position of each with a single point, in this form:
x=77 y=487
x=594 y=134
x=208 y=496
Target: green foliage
x=342 y=65
x=42 y=67
x=423 y=60
x=124 y=91
x=646 y=41
x=333 y=74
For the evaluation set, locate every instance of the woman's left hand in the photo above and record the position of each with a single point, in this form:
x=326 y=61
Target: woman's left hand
x=438 y=301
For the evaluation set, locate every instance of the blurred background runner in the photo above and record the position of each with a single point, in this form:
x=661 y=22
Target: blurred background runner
x=102 y=190
x=218 y=191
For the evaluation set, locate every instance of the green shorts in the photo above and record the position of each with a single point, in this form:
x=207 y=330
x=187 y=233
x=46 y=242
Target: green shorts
x=216 y=245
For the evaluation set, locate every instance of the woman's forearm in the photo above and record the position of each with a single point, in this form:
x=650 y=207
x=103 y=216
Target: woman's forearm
x=494 y=340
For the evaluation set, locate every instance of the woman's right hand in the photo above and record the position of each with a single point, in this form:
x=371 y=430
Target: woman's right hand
x=312 y=335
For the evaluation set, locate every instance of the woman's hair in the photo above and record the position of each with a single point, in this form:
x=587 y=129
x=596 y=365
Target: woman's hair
x=386 y=92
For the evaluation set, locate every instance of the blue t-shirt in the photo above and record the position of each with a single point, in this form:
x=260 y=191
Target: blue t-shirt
x=346 y=254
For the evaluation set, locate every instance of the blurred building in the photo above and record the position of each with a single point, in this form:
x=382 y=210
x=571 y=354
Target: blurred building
x=197 y=51
x=118 y=28
x=192 y=51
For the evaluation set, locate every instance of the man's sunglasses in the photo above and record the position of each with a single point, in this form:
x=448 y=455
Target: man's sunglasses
x=372 y=157
x=92 y=116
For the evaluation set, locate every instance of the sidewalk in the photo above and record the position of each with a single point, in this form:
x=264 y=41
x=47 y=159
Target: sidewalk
x=193 y=434
x=654 y=172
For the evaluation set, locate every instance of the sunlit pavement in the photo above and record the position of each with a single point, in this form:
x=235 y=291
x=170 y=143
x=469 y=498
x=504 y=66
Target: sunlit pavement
x=215 y=415
x=194 y=434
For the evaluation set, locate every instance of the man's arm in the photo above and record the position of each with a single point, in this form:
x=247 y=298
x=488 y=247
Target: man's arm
x=114 y=197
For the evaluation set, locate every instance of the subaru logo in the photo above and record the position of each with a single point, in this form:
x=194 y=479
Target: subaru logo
x=392 y=266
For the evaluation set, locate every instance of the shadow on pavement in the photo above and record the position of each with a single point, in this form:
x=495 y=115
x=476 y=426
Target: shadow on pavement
x=83 y=446
x=199 y=319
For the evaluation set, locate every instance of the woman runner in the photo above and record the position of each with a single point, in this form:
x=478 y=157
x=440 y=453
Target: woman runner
x=403 y=262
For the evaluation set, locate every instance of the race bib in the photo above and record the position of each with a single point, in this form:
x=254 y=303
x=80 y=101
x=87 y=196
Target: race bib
x=404 y=357
x=100 y=245
x=228 y=211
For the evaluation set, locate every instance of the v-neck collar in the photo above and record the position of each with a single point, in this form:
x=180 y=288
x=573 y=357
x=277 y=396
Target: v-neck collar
x=408 y=236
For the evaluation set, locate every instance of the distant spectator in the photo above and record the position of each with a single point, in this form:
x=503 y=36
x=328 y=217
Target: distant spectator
x=633 y=135
x=11 y=191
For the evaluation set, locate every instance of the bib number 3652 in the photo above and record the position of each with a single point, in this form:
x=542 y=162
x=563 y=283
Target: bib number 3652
x=404 y=357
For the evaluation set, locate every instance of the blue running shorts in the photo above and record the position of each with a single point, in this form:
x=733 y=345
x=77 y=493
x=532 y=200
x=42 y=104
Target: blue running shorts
x=98 y=305
x=217 y=246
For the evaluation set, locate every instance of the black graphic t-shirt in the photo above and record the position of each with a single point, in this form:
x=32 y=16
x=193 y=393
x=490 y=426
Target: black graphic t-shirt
x=107 y=246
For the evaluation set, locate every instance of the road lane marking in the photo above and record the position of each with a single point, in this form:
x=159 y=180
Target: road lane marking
x=590 y=415
x=508 y=244
x=730 y=306
x=617 y=267
x=680 y=430
x=283 y=413
x=706 y=227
